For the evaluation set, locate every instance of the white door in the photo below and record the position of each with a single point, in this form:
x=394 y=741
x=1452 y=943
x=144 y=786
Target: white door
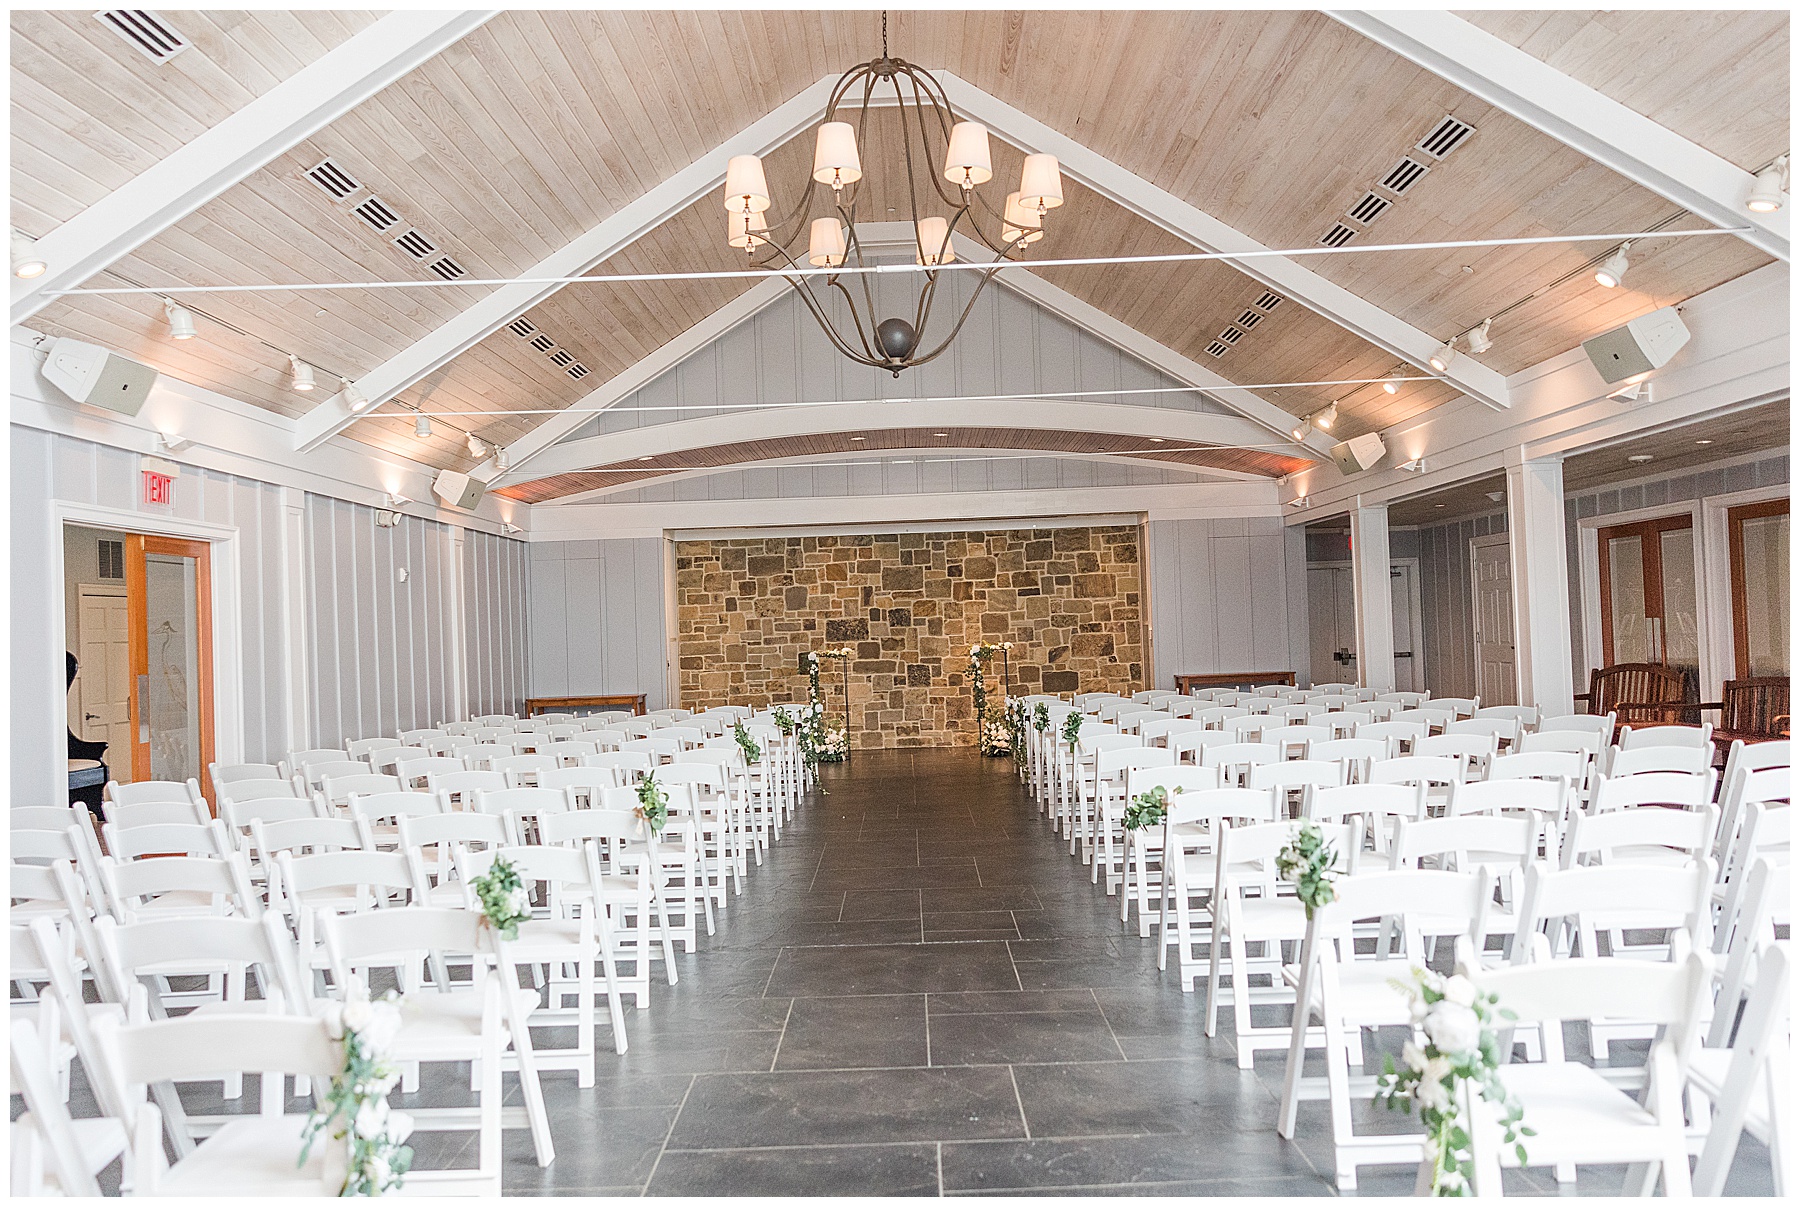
x=1496 y=671
x=102 y=689
x=1331 y=622
x=1407 y=656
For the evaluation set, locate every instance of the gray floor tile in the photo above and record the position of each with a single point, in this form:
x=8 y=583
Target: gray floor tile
x=854 y=1033
x=872 y=1106
x=850 y=971
x=1043 y=1038
x=888 y=1169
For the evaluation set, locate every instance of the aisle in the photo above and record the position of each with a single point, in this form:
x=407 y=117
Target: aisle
x=919 y=991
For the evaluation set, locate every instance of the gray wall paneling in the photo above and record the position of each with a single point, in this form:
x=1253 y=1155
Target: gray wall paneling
x=597 y=620
x=1446 y=602
x=1220 y=596
x=497 y=587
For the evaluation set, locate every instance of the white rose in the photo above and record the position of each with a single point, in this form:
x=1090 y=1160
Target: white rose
x=1413 y=1055
x=399 y=1127
x=332 y=1015
x=357 y=1013
x=518 y=901
x=1460 y=989
x=1453 y=1028
x=1432 y=1093
x=382 y=1030
x=371 y=1119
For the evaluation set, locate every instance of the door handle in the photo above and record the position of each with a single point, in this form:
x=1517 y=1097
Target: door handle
x=90 y=716
x=143 y=703
x=1403 y=653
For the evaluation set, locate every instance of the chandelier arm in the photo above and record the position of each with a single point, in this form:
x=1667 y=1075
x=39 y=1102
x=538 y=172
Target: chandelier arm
x=866 y=357
x=862 y=332
x=921 y=97
x=960 y=320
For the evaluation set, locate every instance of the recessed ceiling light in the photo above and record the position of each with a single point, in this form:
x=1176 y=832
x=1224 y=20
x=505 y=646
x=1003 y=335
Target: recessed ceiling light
x=1702 y=442
x=941 y=435
x=646 y=458
x=1640 y=458
x=1156 y=440
x=857 y=437
x=1439 y=504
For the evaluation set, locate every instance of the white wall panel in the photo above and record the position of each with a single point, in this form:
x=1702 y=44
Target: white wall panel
x=1219 y=596
x=495 y=634
x=597 y=622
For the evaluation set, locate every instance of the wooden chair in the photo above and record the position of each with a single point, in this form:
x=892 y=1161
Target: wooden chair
x=1755 y=710
x=1633 y=689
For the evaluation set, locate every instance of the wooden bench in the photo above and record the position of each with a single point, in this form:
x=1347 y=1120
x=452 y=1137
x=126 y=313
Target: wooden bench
x=1754 y=710
x=1636 y=691
x=1238 y=679
x=537 y=704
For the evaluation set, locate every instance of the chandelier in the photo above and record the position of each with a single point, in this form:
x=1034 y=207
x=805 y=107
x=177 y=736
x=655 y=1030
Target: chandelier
x=930 y=133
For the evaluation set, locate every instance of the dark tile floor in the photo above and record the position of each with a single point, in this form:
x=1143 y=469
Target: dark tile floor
x=920 y=993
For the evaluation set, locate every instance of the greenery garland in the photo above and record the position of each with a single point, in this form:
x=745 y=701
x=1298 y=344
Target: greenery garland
x=1307 y=862
x=504 y=901
x=990 y=723
x=1040 y=717
x=752 y=752
x=1016 y=718
x=829 y=745
x=1149 y=808
x=356 y=1099
x=653 y=804
x=1456 y=1021
x=1071 y=729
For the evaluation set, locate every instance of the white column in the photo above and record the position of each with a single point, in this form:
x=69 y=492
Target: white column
x=296 y=629
x=1374 y=594
x=1540 y=582
x=1293 y=541
x=456 y=621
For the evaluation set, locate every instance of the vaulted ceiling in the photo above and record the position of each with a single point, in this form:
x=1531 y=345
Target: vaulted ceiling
x=536 y=127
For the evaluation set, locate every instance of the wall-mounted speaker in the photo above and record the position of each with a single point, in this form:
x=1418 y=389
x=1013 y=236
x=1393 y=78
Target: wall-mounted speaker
x=1359 y=453
x=89 y=373
x=1645 y=343
x=458 y=490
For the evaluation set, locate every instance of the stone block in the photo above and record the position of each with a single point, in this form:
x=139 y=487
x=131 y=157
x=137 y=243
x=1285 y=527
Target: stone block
x=1093 y=586
x=1058 y=682
x=1092 y=645
x=837 y=632
x=794 y=598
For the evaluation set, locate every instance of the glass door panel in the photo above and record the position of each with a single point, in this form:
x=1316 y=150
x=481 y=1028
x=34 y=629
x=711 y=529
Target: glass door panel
x=1628 y=612
x=1678 y=631
x=169 y=585
x=1759 y=587
x=1649 y=595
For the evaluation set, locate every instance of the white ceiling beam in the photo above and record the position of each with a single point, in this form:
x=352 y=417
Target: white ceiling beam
x=168 y=191
x=1577 y=116
x=606 y=239
x=1188 y=222
x=777 y=423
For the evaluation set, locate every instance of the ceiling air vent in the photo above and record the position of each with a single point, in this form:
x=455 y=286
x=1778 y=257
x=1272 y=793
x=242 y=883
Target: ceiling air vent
x=415 y=245
x=1403 y=176
x=1217 y=348
x=146 y=30
x=1338 y=235
x=561 y=359
x=1231 y=335
x=1445 y=137
x=1249 y=318
x=374 y=211
x=447 y=268
x=336 y=182
x=522 y=327
x=578 y=371
x=543 y=343
x=1371 y=207
x=112 y=559
x=1267 y=302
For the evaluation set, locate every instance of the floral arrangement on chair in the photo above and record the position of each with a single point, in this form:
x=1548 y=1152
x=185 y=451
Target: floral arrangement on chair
x=1148 y=808
x=1460 y=1051
x=653 y=804
x=994 y=735
x=1017 y=717
x=1307 y=862
x=356 y=1100
x=1071 y=730
x=752 y=752
x=504 y=901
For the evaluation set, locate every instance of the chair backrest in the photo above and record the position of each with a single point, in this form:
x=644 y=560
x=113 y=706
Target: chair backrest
x=390 y=937
x=132 y=884
x=1672 y=995
x=1113 y=764
x=306 y=835
x=1417 y=903
x=362 y=748
x=629 y=764
x=1246 y=854
x=1158 y=731
x=1551 y=797
x=1640 y=760
x=298 y=760
x=1690 y=737
x=317 y=773
x=601 y=824
x=1612 y=688
x=237 y=815
x=174 y=946
x=416 y=770
x=1173 y=779
x=1193 y=741
x=1207 y=805
x=1471 y=746
x=228 y=773
x=1393 y=732
x=1376 y=802
x=1355 y=753
x=453 y=788
x=568 y=752
x=1526 y=715
x=1637 y=835
x=1249 y=724
x=374 y=807
x=1466 y=841
x=1296 y=773
x=1599 y=723
x=166 y=838
x=1570 y=765
x=1589 y=742
x=1652 y=788
x=1418 y=769
x=155 y=813
x=387 y=760
x=258 y=789
x=304 y=876
x=1617 y=895
x=1500 y=729
x=147 y=792
x=337 y=788
x=1431 y=718
x=485 y=829
x=1757 y=707
x=578 y=783
x=1295 y=737
x=1235 y=758
x=215 y=1045
x=1404 y=699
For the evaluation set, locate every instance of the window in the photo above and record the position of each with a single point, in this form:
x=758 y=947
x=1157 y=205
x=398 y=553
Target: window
x=1648 y=594
x=1759 y=587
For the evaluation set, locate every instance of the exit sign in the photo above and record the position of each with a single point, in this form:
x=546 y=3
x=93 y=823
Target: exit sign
x=159 y=489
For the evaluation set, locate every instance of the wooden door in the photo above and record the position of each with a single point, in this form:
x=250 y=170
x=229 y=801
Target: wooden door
x=100 y=706
x=1496 y=653
x=168 y=583
x=1759 y=587
x=1649 y=596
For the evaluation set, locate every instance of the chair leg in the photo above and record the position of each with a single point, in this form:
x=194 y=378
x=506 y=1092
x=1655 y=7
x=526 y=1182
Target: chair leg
x=1220 y=938
x=1240 y=1002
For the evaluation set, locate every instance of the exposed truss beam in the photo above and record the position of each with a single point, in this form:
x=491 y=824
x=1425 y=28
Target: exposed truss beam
x=610 y=236
x=777 y=423
x=304 y=103
x=1192 y=224
x=1577 y=116
x=1201 y=473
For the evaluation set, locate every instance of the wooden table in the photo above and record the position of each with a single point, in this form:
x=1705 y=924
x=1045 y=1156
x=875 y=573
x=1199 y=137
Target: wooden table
x=1239 y=679
x=537 y=704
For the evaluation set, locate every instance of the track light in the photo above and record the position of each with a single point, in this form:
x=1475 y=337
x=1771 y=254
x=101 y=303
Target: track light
x=1440 y=360
x=511 y=529
x=302 y=373
x=1766 y=195
x=26 y=261
x=1301 y=501
x=1611 y=273
x=354 y=398
x=1392 y=384
x=1325 y=418
x=1479 y=339
x=422 y=426
x=477 y=449
x=1415 y=466
x=502 y=456
x=170 y=442
x=181 y=323
x=1298 y=431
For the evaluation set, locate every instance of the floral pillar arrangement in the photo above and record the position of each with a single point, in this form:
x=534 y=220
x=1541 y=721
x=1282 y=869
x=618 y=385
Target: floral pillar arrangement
x=995 y=733
x=829 y=745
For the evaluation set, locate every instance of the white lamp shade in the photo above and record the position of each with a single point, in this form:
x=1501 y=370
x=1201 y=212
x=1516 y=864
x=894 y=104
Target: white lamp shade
x=825 y=243
x=747 y=230
x=835 y=158
x=1040 y=184
x=1021 y=222
x=934 y=242
x=968 y=163
x=745 y=186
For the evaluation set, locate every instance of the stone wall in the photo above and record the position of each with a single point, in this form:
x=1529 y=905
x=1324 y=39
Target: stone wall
x=912 y=604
